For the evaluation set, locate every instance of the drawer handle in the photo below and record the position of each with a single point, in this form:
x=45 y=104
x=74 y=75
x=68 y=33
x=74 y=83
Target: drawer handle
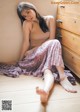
x=62 y=6
x=59 y=21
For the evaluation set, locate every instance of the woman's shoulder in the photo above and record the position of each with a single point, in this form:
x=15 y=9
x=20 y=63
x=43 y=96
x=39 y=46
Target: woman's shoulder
x=27 y=24
x=48 y=18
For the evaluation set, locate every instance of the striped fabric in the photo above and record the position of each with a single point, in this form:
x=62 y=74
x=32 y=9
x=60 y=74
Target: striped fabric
x=48 y=55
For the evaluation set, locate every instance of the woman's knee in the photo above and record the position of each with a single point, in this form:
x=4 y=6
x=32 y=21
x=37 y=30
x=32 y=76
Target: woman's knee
x=55 y=41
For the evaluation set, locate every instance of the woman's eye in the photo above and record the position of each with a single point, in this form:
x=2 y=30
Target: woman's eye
x=27 y=12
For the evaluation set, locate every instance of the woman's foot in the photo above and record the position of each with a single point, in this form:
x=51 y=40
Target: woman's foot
x=67 y=85
x=43 y=95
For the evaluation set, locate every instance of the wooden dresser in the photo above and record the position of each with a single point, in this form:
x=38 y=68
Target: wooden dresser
x=68 y=17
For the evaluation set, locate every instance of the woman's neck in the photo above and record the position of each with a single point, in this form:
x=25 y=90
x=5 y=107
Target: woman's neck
x=36 y=20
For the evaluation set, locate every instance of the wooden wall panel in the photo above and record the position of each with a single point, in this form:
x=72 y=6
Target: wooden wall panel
x=72 y=61
x=71 y=41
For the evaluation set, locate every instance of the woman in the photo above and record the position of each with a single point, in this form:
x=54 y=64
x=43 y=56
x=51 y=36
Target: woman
x=41 y=52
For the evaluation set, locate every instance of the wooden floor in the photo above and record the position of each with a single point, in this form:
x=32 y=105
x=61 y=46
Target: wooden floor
x=24 y=98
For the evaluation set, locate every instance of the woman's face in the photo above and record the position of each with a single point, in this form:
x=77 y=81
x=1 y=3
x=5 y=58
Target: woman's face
x=29 y=14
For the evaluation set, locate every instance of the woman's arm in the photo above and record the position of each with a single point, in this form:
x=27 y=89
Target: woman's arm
x=52 y=26
x=26 y=33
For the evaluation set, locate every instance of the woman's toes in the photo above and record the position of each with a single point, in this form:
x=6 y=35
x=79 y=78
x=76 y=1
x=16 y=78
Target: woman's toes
x=38 y=90
x=43 y=95
x=67 y=86
x=70 y=89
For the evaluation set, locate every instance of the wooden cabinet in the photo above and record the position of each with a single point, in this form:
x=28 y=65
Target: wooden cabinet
x=69 y=25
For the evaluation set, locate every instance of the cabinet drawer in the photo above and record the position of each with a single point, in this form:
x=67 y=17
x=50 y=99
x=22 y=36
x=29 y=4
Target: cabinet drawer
x=69 y=23
x=71 y=41
x=72 y=61
x=70 y=9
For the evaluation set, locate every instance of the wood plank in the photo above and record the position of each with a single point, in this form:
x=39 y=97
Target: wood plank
x=25 y=99
x=69 y=9
x=72 y=61
x=69 y=23
x=71 y=41
x=17 y=84
x=64 y=105
x=31 y=96
x=67 y=105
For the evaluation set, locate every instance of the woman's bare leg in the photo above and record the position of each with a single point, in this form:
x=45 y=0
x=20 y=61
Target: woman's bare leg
x=64 y=81
x=48 y=84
